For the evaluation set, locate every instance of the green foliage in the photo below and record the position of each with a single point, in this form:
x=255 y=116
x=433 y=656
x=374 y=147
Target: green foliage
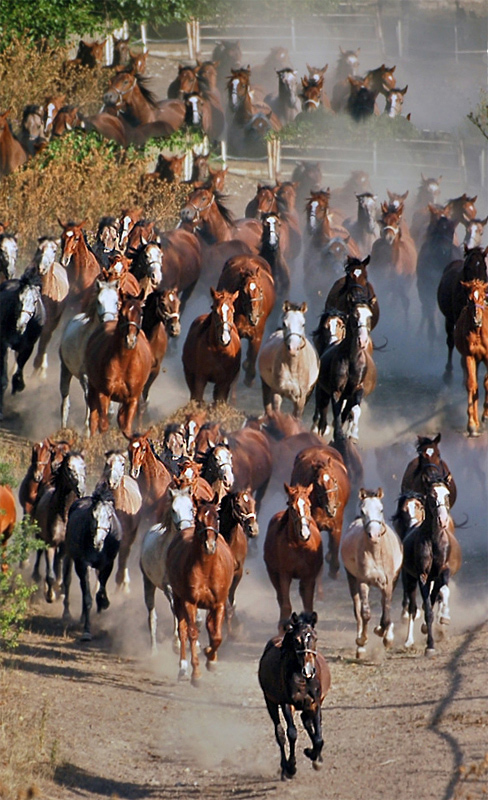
x=479 y=116
x=51 y=20
x=14 y=592
x=7 y=477
x=324 y=127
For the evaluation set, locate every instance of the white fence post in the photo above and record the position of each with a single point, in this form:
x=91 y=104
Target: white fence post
x=109 y=50
x=399 y=33
x=144 y=37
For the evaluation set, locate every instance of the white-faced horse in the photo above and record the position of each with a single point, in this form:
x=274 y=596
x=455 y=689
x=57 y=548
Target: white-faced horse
x=288 y=362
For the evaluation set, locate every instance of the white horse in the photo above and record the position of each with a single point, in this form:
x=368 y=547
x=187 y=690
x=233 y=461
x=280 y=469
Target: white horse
x=288 y=362
x=372 y=554
x=103 y=308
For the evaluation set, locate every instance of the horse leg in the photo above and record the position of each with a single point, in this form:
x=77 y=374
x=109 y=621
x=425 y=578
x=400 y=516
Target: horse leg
x=424 y=584
x=284 y=602
x=40 y=360
x=291 y=733
x=122 y=579
x=274 y=713
x=67 y=572
x=356 y=602
x=215 y=618
x=101 y=596
x=23 y=354
x=267 y=397
x=94 y=411
x=385 y=628
x=332 y=556
x=484 y=416
x=313 y=725
x=258 y=497
x=50 y=574
x=471 y=384
x=306 y=589
x=449 y=326
x=192 y=627
x=249 y=365
x=221 y=391
x=322 y=400
x=64 y=384
x=365 y=612
x=125 y=417
x=3 y=374
x=36 y=575
x=82 y=572
x=152 y=619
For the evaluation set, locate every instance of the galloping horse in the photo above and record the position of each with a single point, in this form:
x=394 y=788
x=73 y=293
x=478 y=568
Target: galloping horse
x=431 y=555
x=435 y=254
x=12 y=154
x=295 y=676
x=322 y=466
x=93 y=534
x=347 y=64
x=286 y=105
x=8 y=518
x=471 y=340
x=46 y=458
x=293 y=550
x=419 y=471
x=394 y=258
x=51 y=514
x=150 y=473
x=313 y=96
x=54 y=294
x=200 y=570
x=215 y=223
x=82 y=266
x=237 y=522
x=212 y=349
x=118 y=362
x=372 y=556
x=128 y=93
x=427 y=194
x=364 y=229
x=249 y=276
x=251 y=120
x=452 y=295
x=288 y=363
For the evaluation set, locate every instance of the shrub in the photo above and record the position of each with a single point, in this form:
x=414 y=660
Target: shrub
x=15 y=593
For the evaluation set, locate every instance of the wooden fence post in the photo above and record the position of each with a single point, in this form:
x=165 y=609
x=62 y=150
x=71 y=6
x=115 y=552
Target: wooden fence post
x=273 y=145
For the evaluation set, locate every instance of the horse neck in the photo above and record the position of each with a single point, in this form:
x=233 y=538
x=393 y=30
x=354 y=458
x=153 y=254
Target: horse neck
x=8 y=146
x=286 y=98
x=215 y=227
x=138 y=107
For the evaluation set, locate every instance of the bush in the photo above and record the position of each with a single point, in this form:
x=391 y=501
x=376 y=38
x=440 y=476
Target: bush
x=15 y=593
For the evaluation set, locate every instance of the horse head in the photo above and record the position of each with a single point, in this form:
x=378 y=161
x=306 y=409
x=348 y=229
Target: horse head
x=45 y=255
x=168 y=310
x=244 y=510
x=252 y=298
x=327 y=487
x=207 y=525
x=271 y=230
x=71 y=237
x=102 y=516
x=410 y=512
x=114 y=468
x=174 y=439
x=8 y=254
x=437 y=505
x=371 y=508
x=311 y=95
x=28 y=299
x=194 y=105
x=129 y=321
x=223 y=314
x=300 y=509
x=474 y=234
x=477 y=300
x=41 y=459
x=300 y=639
x=72 y=472
x=238 y=86
x=218 y=465
x=183 y=506
x=316 y=208
x=138 y=449
x=293 y=326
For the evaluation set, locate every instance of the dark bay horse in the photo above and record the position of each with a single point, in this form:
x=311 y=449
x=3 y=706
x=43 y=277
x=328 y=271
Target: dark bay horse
x=8 y=518
x=200 y=570
x=322 y=466
x=354 y=285
x=93 y=534
x=82 y=266
x=51 y=514
x=251 y=278
x=452 y=295
x=471 y=341
x=274 y=243
x=237 y=523
x=22 y=316
x=293 y=550
x=294 y=676
x=372 y=556
x=153 y=325
x=118 y=362
x=431 y=555
x=428 y=463
x=212 y=349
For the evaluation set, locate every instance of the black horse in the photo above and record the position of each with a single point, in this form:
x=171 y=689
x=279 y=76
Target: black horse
x=295 y=676
x=93 y=535
x=22 y=316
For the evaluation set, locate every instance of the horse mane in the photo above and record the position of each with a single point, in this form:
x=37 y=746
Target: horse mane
x=142 y=81
x=103 y=494
x=409 y=495
x=224 y=211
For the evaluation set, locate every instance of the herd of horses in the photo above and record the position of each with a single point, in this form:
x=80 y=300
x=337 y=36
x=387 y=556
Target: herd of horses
x=195 y=496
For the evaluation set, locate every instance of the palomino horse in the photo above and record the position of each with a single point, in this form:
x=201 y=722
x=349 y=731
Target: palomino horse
x=322 y=466
x=250 y=277
x=12 y=154
x=212 y=349
x=294 y=676
x=293 y=550
x=8 y=518
x=200 y=570
x=431 y=555
x=428 y=462
x=93 y=534
x=22 y=316
x=394 y=258
x=471 y=340
x=372 y=556
x=347 y=374
x=82 y=266
x=46 y=457
x=51 y=514
x=118 y=363
x=128 y=506
x=104 y=306
x=150 y=473
x=288 y=363
x=55 y=289
x=452 y=295
x=237 y=523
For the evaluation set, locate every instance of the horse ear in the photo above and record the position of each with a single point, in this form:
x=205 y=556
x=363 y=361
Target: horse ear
x=304 y=308
x=62 y=223
x=216 y=500
x=384 y=206
x=287 y=488
x=235 y=296
x=366 y=261
x=314 y=619
x=213 y=292
x=380 y=492
x=362 y=494
x=437 y=438
x=286 y=306
x=403 y=91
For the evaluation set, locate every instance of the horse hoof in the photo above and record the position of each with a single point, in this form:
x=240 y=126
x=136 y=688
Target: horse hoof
x=379 y=631
x=196 y=680
x=183 y=675
x=102 y=603
x=211 y=666
x=317 y=765
x=444 y=620
x=424 y=628
x=429 y=652
x=86 y=637
x=360 y=652
x=405 y=615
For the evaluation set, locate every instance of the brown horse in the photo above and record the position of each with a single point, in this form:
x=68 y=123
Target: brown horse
x=355 y=282
x=471 y=340
x=150 y=473
x=286 y=104
x=82 y=266
x=128 y=93
x=212 y=349
x=295 y=676
x=372 y=556
x=251 y=120
x=200 y=570
x=237 y=523
x=322 y=466
x=394 y=259
x=431 y=555
x=293 y=550
x=250 y=277
x=214 y=221
x=452 y=295
x=186 y=81
x=263 y=202
x=46 y=457
x=12 y=154
x=153 y=325
x=313 y=96
x=8 y=518
x=428 y=463
x=118 y=365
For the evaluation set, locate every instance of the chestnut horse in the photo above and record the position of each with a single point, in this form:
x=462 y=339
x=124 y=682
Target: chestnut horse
x=118 y=362
x=82 y=266
x=394 y=258
x=322 y=466
x=294 y=676
x=200 y=570
x=215 y=222
x=212 y=349
x=150 y=473
x=46 y=457
x=12 y=154
x=293 y=550
x=372 y=556
x=8 y=518
x=471 y=340
x=250 y=277
x=129 y=94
